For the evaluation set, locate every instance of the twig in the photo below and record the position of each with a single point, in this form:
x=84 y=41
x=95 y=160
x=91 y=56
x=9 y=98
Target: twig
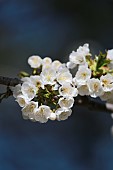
x=9 y=81
x=6 y=94
x=92 y=104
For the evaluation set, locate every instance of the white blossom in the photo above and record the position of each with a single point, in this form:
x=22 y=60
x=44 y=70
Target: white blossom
x=109 y=97
x=42 y=114
x=83 y=75
x=77 y=58
x=26 y=79
x=66 y=102
x=83 y=90
x=52 y=116
x=84 y=50
x=106 y=96
x=63 y=69
x=35 y=61
x=22 y=100
x=74 y=81
x=56 y=64
x=110 y=55
x=16 y=90
x=67 y=90
x=47 y=61
x=26 y=117
x=37 y=81
x=95 y=87
x=29 y=90
x=48 y=76
x=109 y=106
x=32 y=117
x=30 y=109
x=107 y=82
x=46 y=66
x=54 y=88
x=64 y=77
x=63 y=113
x=70 y=65
x=110 y=65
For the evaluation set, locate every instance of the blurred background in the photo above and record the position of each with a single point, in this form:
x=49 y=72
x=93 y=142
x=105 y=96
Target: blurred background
x=53 y=28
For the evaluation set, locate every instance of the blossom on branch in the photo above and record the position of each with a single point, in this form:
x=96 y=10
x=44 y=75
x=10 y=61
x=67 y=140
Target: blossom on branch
x=49 y=92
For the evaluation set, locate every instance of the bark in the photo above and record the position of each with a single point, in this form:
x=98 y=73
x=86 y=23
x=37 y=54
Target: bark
x=93 y=104
x=9 y=81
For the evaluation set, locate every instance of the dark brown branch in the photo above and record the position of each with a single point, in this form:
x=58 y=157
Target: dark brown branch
x=9 y=81
x=92 y=104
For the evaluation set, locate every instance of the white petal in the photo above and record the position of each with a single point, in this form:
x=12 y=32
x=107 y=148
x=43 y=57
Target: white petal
x=71 y=65
x=66 y=90
x=37 y=81
x=107 y=82
x=77 y=58
x=63 y=113
x=42 y=114
x=22 y=100
x=84 y=50
x=66 y=102
x=35 y=61
x=30 y=108
x=82 y=75
x=95 y=88
x=52 y=116
x=83 y=90
x=64 y=77
x=16 y=90
x=106 y=96
x=47 y=61
x=110 y=54
x=48 y=76
x=29 y=90
x=56 y=64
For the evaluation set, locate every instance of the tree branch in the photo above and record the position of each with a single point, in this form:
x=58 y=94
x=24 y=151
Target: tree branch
x=83 y=101
x=9 y=81
x=92 y=104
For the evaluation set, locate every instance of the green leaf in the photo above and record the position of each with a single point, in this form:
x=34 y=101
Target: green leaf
x=101 y=60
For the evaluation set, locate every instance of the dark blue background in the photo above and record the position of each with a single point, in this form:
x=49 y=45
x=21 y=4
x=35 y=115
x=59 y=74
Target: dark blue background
x=53 y=28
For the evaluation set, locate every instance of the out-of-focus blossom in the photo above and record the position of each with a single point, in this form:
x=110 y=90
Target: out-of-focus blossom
x=35 y=61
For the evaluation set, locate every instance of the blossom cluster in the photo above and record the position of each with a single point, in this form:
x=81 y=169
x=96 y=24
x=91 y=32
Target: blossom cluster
x=94 y=77
x=49 y=92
